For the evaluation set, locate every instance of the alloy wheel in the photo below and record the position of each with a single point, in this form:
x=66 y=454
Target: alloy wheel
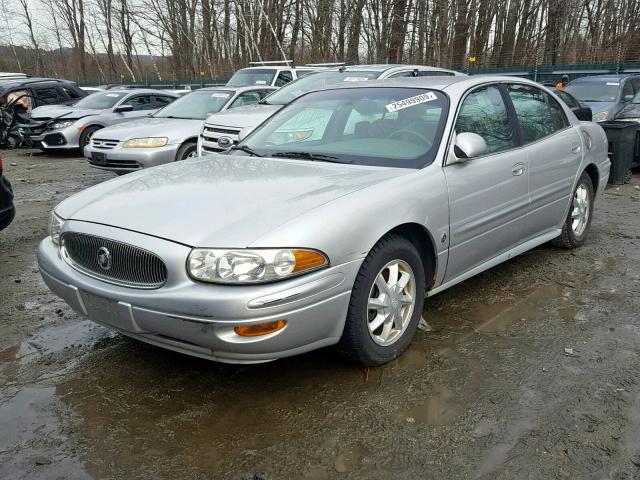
x=391 y=302
x=581 y=210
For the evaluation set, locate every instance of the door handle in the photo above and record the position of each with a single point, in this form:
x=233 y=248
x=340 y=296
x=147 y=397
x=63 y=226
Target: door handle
x=517 y=169
x=575 y=148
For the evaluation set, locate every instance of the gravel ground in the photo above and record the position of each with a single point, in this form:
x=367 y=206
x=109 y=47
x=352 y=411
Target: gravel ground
x=531 y=371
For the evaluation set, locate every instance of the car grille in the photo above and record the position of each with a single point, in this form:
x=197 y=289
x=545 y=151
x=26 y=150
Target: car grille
x=116 y=164
x=128 y=266
x=212 y=133
x=103 y=144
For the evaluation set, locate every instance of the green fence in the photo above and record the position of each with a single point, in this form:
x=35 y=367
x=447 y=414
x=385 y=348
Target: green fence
x=539 y=73
x=553 y=73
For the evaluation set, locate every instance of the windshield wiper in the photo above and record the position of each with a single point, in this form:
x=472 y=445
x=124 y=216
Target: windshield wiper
x=244 y=148
x=318 y=157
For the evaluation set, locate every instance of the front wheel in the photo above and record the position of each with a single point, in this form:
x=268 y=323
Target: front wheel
x=386 y=303
x=86 y=135
x=187 y=150
x=578 y=222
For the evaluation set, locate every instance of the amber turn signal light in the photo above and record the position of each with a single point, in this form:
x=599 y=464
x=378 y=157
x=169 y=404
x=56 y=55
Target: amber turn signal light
x=259 y=329
x=308 y=260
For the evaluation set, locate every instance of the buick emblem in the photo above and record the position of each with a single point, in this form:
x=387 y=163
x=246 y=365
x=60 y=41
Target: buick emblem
x=225 y=142
x=104 y=258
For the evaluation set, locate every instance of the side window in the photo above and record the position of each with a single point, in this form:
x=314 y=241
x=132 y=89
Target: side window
x=485 y=113
x=284 y=77
x=635 y=83
x=567 y=98
x=140 y=102
x=539 y=115
x=406 y=73
x=558 y=117
x=434 y=73
x=627 y=89
x=264 y=93
x=246 y=98
x=162 y=101
x=48 y=95
x=72 y=93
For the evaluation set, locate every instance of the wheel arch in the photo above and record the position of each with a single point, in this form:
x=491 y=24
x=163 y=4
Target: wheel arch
x=594 y=175
x=422 y=239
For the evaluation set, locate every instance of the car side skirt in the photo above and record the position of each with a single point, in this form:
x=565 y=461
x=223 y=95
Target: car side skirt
x=503 y=257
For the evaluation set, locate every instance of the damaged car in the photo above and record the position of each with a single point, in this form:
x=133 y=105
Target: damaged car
x=71 y=127
x=292 y=242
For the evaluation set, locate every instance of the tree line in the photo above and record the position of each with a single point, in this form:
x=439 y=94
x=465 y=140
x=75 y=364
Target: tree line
x=138 y=40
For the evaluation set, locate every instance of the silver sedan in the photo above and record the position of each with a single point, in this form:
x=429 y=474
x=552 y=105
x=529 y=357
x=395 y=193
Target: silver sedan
x=64 y=127
x=168 y=135
x=332 y=222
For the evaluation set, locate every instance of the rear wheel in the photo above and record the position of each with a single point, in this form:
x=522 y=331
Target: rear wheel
x=578 y=222
x=187 y=150
x=386 y=303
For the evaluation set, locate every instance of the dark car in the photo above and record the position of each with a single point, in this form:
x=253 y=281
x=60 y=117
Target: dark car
x=35 y=92
x=581 y=110
x=7 y=210
x=607 y=95
x=631 y=113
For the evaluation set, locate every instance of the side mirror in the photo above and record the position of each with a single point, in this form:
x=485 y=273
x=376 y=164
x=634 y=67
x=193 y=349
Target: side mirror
x=468 y=145
x=123 y=108
x=584 y=114
x=628 y=98
x=242 y=134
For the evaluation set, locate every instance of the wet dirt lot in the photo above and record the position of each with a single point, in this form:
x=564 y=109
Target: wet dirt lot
x=531 y=371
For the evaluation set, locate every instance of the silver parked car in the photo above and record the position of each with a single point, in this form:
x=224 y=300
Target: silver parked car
x=299 y=239
x=168 y=135
x=221 y=130
x=60 y=127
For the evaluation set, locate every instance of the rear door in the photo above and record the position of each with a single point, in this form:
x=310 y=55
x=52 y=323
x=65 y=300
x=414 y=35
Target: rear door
x=554 y=151
x=488 y=195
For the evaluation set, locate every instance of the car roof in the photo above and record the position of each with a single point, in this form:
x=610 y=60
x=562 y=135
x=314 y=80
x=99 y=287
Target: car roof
x=604 y=78
x=16 y=82
x=444 y=83
x=136 y=91
x=238 y=89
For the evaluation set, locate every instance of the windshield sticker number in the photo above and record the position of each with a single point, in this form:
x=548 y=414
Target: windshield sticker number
x=411 y=101
x=614 y=84
x=355 y=79
x=261 y=82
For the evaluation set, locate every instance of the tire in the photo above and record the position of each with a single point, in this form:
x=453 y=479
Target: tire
x=86 y=135
x=358 y=342
x=575 y=233
x=187 y=150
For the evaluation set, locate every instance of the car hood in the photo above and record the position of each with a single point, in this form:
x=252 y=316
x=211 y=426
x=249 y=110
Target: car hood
x=66 y=111
x=597 y=107
x=241 y=117
x=219 y=200
x=174 y=128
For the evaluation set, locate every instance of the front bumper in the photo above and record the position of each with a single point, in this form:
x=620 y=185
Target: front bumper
x=120 y=159
x=199 y=319
x=59 y=139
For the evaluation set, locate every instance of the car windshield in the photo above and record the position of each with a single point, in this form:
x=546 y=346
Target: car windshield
x=101 y=100
x=316 y=81
x=252 y=76
x=595 y=91
x=382 y=126
x=196 y=105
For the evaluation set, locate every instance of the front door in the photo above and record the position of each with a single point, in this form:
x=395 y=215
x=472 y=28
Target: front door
x=488 y=195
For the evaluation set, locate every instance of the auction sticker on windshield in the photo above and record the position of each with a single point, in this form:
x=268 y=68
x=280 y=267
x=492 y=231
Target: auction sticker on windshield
x=411 y=101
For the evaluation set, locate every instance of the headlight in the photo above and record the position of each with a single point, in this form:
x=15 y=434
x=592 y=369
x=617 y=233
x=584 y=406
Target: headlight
x=149 y=142
x=63 y=124
x=252 y=266
x=601 y=116
x=55 y=225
